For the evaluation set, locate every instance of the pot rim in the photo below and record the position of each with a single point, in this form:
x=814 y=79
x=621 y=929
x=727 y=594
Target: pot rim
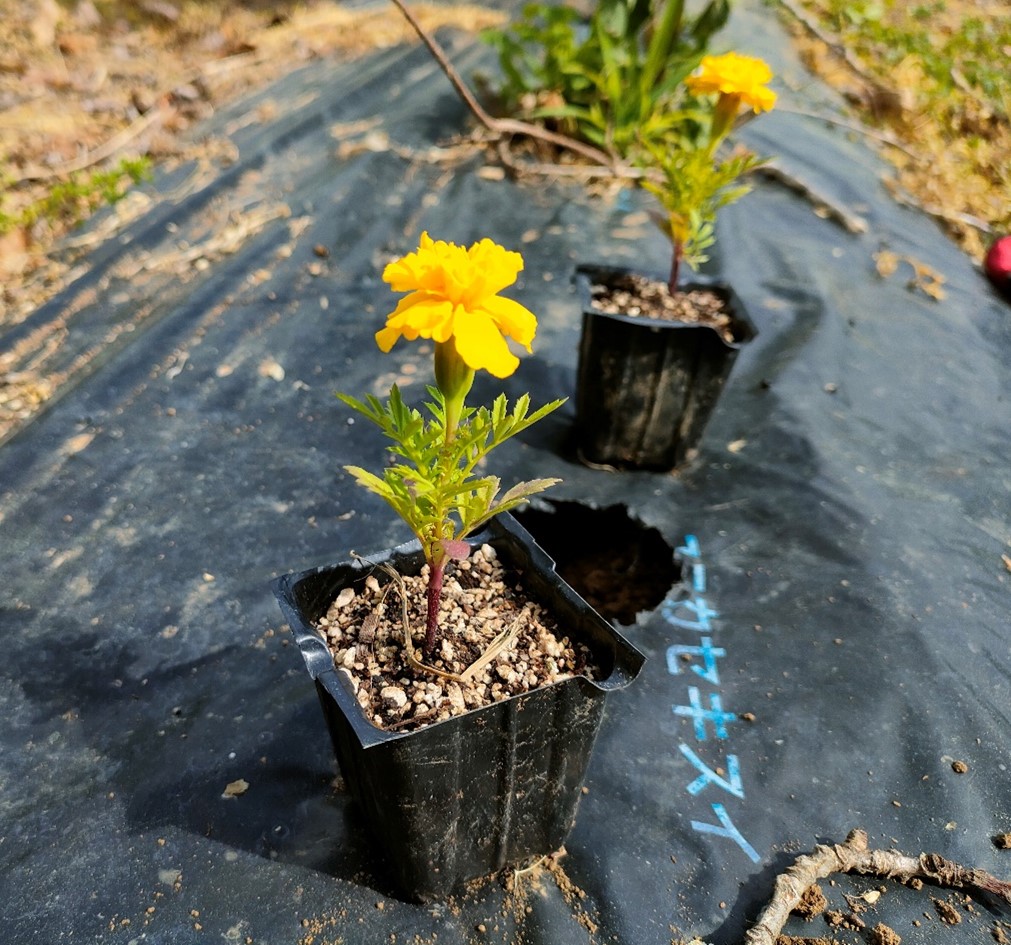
x=744 y=328
x=627 y=660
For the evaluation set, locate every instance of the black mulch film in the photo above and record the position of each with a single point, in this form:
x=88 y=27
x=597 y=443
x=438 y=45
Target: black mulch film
x=826 y=614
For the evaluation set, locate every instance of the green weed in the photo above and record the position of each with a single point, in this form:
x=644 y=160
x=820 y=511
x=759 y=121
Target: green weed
x=70 y=201
x=611 y=79
x=947 y=60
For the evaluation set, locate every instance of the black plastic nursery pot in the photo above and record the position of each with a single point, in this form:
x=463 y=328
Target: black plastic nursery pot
x=645 y=388
x=497 y=786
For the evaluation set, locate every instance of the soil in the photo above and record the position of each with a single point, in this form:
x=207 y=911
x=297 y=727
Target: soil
x=619 y=565
x=812 y=903
x=639 y=297
x=86 y=84
x=480 y=601
x=882 y=934
x=946 y=912
x=522 y=885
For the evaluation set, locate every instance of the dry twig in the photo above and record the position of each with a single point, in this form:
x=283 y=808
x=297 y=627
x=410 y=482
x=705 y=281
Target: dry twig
x=941 y=214
x=883 y=137
x=502 y=126
x=107 y=149
x=854 y=856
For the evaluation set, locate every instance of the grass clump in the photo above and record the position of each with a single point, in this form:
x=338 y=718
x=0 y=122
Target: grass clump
x=943 y=68
x=68 y=202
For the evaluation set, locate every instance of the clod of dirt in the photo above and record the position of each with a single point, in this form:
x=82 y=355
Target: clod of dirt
x=1002 y=841
x=946 y=912
x=959 y=767
x=812 y=903
x=882 y=934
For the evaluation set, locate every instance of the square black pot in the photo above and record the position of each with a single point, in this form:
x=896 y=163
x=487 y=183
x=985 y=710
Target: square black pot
x=467 y=796
x=645 y=388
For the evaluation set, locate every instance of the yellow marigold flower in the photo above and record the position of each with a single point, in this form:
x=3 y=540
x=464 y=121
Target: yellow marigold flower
x=744 y=77
x=454 y=295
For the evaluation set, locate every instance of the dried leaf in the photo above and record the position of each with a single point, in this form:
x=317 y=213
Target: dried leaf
x=925 y=278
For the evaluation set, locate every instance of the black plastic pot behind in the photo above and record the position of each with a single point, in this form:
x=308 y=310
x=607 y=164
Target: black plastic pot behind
x=465 y=797
x=645 y=389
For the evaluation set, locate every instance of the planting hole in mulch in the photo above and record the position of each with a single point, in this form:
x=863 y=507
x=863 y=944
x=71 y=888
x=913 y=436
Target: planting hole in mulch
x=616 y=563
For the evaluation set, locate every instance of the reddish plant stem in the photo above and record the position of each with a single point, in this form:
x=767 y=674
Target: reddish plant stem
x=675 y=268
x=435 y=573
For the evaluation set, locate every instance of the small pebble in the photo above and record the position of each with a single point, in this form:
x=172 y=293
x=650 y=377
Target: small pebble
x=393 y=697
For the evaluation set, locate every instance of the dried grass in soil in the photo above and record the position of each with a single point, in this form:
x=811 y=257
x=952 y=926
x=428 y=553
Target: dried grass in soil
x=85 y=84
x=951 y=147
x=480 y=600
x=639 y=297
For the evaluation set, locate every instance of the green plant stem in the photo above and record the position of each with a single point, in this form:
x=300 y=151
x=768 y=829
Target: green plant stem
x=454 y=379
x=727 y=109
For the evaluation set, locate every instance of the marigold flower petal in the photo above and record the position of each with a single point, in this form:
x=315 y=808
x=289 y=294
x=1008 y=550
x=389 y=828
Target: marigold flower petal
x=420 y=314
x=513 y=319
x=386 y=338
x=734 y=74
x=481 y=345
x=498 y=267
x=454 y=294
x=427 y=314
x=413 y=271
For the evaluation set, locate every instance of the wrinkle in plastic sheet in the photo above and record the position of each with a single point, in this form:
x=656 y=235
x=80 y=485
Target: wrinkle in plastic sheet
x=842 y=636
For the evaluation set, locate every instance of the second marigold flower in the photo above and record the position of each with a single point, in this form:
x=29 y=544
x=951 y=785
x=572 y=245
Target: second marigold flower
x=744 y=77
x=454 y=297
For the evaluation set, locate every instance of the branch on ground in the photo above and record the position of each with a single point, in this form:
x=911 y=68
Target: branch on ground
x=501 y=126
x=854 y=856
